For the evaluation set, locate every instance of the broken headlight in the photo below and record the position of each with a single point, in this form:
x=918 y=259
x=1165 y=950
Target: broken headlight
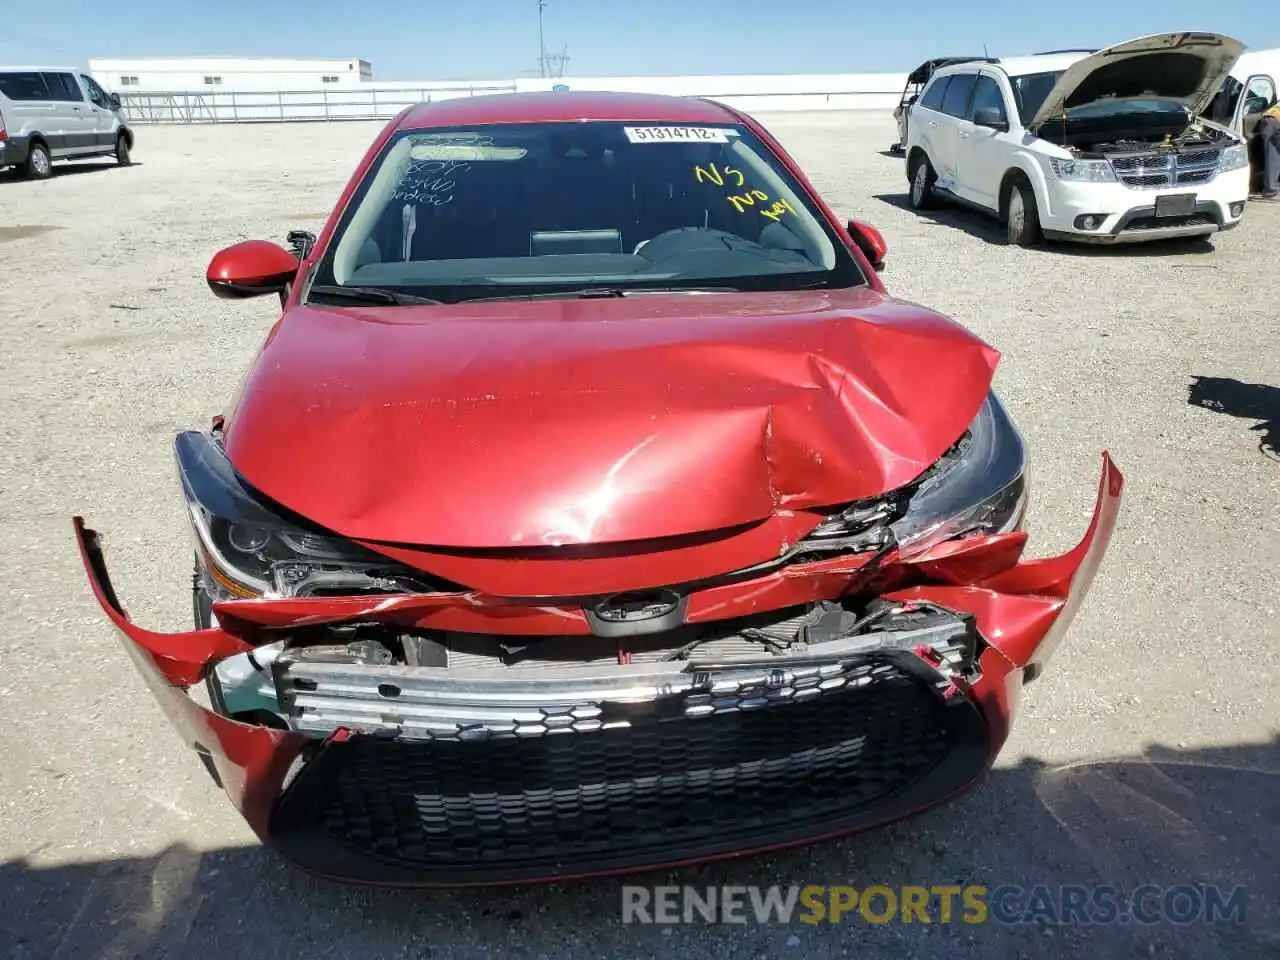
x=978 y=486
x=250 y=548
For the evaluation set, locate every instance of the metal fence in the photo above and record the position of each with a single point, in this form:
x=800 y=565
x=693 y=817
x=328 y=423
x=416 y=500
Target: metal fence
x=276 y=106
x=375 y=103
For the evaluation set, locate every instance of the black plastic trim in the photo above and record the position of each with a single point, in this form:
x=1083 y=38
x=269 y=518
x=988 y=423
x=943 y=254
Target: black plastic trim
x=293 y=835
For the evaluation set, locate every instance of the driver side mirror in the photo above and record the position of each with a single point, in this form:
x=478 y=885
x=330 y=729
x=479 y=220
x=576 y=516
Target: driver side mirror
x=251 y=269
x=870 y=241
x=991 y=118
x=113 y=100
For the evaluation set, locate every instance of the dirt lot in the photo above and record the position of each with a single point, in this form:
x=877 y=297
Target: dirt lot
x=1149 y=753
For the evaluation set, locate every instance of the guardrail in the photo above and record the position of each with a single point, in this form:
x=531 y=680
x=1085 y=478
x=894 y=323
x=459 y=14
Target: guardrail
x=277 y=106
x=374 y=103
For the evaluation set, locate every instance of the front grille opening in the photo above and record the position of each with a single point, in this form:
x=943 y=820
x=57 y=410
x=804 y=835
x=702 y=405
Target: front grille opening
x=630 y=796
x=1166 y=223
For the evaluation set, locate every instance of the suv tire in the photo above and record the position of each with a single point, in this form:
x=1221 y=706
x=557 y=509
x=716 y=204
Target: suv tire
x=122 y=151
x=923 y=178
x=1022 y=216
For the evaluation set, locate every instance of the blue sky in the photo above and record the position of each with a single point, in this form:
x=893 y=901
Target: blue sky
x=481 y=39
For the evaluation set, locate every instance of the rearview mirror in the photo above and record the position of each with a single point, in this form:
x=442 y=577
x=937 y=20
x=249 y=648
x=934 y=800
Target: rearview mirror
x=251 y=269
x=991 y=118
x=870 y=241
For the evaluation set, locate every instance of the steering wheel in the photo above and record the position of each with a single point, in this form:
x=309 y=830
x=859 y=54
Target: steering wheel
x=679 y=239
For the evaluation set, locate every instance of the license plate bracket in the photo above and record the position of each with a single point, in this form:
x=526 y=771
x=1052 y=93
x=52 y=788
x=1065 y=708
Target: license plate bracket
x=1176 y=205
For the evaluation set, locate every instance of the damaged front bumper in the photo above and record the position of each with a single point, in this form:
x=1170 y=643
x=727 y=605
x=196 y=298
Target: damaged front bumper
x=478 y=773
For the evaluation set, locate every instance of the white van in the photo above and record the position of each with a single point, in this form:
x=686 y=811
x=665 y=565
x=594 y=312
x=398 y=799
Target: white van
x=57 y=113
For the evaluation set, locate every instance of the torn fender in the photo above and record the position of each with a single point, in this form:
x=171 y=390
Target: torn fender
x=1023 y=611
x=251 y=762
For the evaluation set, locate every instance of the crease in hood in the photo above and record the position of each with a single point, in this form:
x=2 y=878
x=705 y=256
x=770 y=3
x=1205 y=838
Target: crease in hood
x=551 y=423
x=1185 y=67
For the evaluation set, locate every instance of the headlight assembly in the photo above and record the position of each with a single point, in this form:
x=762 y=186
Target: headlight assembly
x=1234 y=157
x=1087 y=171
x=978 y=486
x=251 y=549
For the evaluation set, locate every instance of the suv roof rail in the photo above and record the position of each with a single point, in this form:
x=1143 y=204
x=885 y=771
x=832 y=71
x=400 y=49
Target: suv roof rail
x=1049 y=53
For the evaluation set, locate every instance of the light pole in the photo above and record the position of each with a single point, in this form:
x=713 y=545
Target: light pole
x=542 y=48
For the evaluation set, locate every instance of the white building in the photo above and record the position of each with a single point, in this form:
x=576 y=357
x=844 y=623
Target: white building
x=209 y=74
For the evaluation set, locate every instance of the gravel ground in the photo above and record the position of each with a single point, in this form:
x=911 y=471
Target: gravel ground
x=1148 y=753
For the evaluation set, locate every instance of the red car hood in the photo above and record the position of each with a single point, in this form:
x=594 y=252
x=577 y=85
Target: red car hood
x=534 y=423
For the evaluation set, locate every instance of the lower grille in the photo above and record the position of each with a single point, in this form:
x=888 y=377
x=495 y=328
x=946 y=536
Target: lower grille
x=376 y=810
x=1166 y=223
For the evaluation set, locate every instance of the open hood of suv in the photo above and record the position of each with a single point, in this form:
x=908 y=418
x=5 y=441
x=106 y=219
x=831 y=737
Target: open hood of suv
x=1188 y=67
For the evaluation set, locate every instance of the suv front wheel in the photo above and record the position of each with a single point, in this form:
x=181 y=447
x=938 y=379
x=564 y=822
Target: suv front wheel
x=923 y=178
x=1022 y=216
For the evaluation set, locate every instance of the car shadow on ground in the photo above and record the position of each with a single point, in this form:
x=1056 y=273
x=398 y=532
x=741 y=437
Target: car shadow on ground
x=989 y=230
x=1249 y=401
x=1168 y=817
x=65 y=169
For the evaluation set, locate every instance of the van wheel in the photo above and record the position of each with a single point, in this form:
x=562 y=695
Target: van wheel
x=39 y=165
x=922 y=180
x=122 y=151
x=1022 y=217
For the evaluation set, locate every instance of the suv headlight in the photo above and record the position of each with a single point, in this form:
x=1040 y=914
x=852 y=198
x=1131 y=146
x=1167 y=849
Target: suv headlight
x=978 y=486
x=1086 y=171
x=1234 y=157
x=250 y=548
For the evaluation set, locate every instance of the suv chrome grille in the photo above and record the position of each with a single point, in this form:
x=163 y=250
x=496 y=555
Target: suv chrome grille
x=1166 y=168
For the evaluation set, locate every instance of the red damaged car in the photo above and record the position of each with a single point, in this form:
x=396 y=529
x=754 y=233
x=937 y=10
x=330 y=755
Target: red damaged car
x=592 y=507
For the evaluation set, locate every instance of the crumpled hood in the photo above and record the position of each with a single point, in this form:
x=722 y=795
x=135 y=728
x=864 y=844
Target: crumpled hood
x=535 y=423
x=1188 y=67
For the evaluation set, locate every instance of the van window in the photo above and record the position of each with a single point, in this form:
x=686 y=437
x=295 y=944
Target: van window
x=63 y=86
x=96 y=93
x=932 y=98
x=956 y=102
x=23 y=86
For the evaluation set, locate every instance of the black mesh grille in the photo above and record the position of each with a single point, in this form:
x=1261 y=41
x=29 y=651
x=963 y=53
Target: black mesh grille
x=1168 y=223
x=619 y=798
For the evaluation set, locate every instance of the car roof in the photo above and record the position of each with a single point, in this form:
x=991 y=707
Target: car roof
x=575 y=105
x=38 y=69
x=1020 y=66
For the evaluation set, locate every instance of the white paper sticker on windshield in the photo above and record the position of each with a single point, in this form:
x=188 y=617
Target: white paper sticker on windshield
x=677 y=134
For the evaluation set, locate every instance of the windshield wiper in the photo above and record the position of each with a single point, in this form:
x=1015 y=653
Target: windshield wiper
x=378 y=295
x=601 y=293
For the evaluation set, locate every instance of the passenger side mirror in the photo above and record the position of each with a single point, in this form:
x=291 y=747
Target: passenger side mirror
x=114 y=101
x=870 y=241
x=991 y=118
x=251 y=269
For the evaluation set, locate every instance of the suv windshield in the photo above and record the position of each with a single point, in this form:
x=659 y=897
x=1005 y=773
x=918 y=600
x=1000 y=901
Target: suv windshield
x=1031 y=89
x=525 y=209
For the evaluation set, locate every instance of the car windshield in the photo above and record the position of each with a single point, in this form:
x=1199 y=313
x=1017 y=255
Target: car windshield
x=542 y=208
x=1031 y=89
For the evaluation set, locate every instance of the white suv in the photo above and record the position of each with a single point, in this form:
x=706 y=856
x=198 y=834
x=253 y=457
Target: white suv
x=1108 y=147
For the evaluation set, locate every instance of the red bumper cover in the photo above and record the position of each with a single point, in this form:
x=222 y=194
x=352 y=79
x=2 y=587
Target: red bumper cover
x=1021 y=610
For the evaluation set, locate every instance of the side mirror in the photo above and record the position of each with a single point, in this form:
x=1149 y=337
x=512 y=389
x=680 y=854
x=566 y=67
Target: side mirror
x=870 y=241
x=991 y=118
x=114 y=101
x=251 y=269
